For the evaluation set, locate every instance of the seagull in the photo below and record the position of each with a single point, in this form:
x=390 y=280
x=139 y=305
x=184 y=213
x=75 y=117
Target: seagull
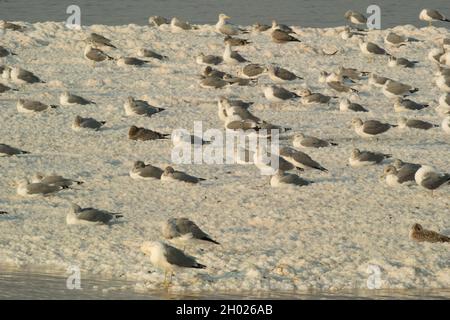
x=144 y=171
x=370 y=128
x=235 y=42
x=238 y=110
x=130 y=61
x=351 y=73
x=280 y=36
x=90 y=216
x=401 y=62
x=96 y=39
x=378 y=81
x=393 y=89
x=281 y=178
x=184 y=230
x=282 y=27
x=54 y=180
x=147 y=53
x=30 y=106
x=87 y=123
x=347 y=105
x=278 y=94
x=178 y=25
x=431 y=15
x=222 y=26
x=347 y=33
x=67 y=99
x=170 y=174
x=419 y=234
x=355 y=17
x=401 y=105
x=370 y=48
x=156 y=21
x=406 y=170
x=446 y=125
x=300 y=159
x=395 y=39
x=140 y=107
x=169 y=258
x=22 y=76
x=280 y=75
x=232 y=57
x=213 y=82
x=6 y=150
x=303 y=141
x=428 y=178
x=24 y=188
x=143 y=134
x=340 y=87
x=208 y=71
x=95 y=55
x=404 y=123
x=208 y=59
x=4 y=88
x=253 y=71
x=307 y=97
x=395 y=178
x=10 y=26
x=365 y=158
x=263 y=161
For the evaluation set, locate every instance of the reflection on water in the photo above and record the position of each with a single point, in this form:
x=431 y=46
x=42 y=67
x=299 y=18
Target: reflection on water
x=26 y=284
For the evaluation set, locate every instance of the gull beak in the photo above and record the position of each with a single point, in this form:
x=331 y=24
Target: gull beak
x=227 y=17
x=383 y=176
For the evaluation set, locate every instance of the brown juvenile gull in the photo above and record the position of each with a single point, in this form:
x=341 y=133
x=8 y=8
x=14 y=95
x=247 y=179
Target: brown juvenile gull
x=213 y=82
x=303 y=141
x=30 y=106
x=253 y=70
x=236 y=109
x=419 y=234
x=279 y=36
x=235 y=42
x=168 y=258
x=209 y=59
x=284 y=179
x=143 y=134
x=428 y=178
x=300 y=159
x=96 y=39
x=393 y=89
x=54 y=179
x=5 y=52
x=4 y=88
x=232 y=57
x=431 y=15
x=278 y=94
x=340 y=87
x=222 y=26
x=364 y=158
x=68 y=99
x=351 y=73
x=87 y=123
x=156 y=21
x=370 y=128
x=10 y=26
x=90 y=216
x=147 y=53
x=355 y=17
x=311 y=98
x=170 y=174
x=346 y=105
x=24 y=188
x=281 y=75
x=401 y=105
x=140 y=107
x=6 y=150
x=130 y=61
x=22 y=76
x=395 y=178
x=95 y=55
x=184 y=230
x=144 y=171
x=209 y=71
x=401 y=62
x=404 y=123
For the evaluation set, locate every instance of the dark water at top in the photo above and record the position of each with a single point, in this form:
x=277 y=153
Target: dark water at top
x=308 y=13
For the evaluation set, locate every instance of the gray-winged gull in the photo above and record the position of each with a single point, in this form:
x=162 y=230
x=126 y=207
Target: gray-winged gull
x=131 y=61
x=428 y=178
x=54 y=179
x=278 y=94
x=395 y=178
x=96 y=39
x=283 y=179
x=213 y=82
x=279 y=36
x=95 y=55
x=281 y=75
x=232 y=57
x=404 y=123
x=393 y=89
x=156 y=21
x=363 y=158
x=303 y=141
x=401 y=62
x=253 y=70
x=6 y=150
x=308 y=97
x=22 y=76
x=90 y=216
x=370 y=128
x=30 y=106
x=209 y=59
x=87 y=123
x=5 y=52
x=401 y=105
x=178 y=25
x=431 y=15
x=226 y=28
x=170 y=174
x=68 y=99
x=184 y=230
x=346 y=105
x=355 y=17
x=147 y=53
x=300 y=159
x=370 y=48
x=282 y=27
x=4 y=88
x=25 y=188
x=140 y=108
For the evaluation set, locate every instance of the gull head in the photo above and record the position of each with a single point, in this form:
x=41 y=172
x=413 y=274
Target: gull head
x=138 y=164
x=151 y=247
x=75 y=208
x=133 y=130
x=348 y=14
x=402 y=122
x=305 y=92
x=169 y=170
x=357 y=122
x=223 y=17
x=78 y=120
x=37 y=177
x=299 y=135
x=390 y=169
x=355 y=153
x=65 y=94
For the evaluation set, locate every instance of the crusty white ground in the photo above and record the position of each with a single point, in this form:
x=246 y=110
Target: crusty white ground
x=322 y=236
